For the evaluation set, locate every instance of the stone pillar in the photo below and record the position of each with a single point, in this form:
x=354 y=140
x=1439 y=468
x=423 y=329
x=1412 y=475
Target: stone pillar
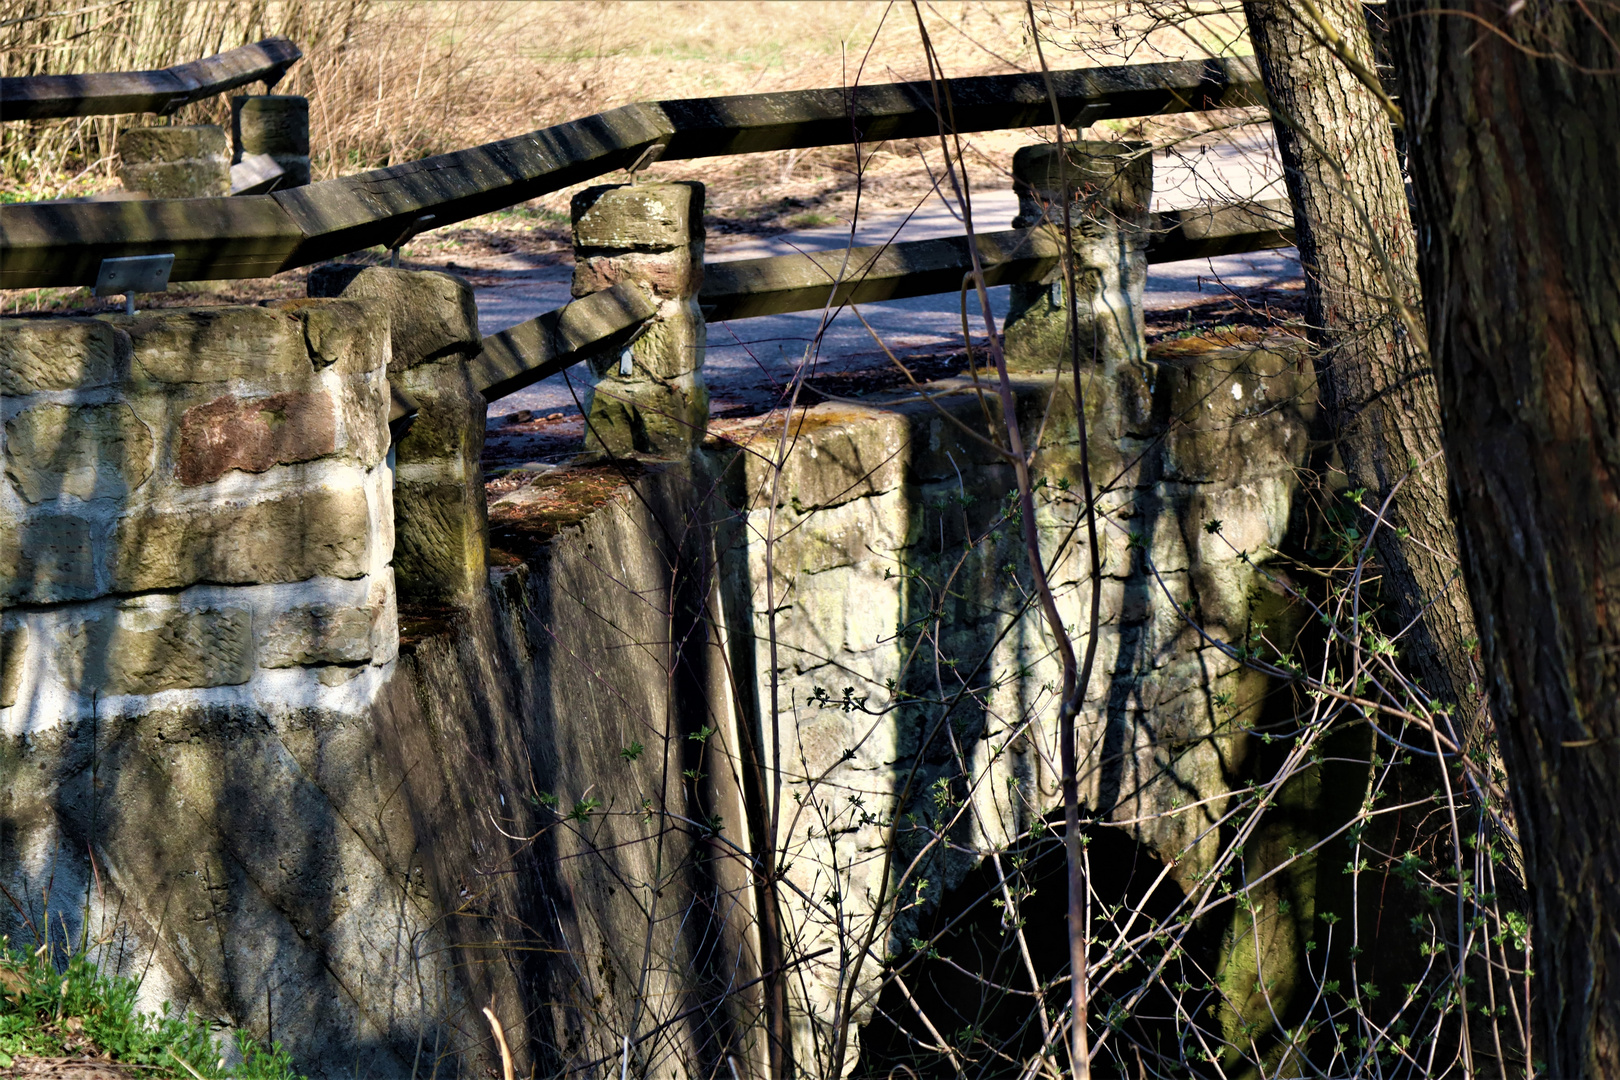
x=175 y=162
x=441 y=526
x=1111 y=184
x=274 y=124
x=654 y=402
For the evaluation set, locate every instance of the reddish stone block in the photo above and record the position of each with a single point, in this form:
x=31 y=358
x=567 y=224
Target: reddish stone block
x=253 y=436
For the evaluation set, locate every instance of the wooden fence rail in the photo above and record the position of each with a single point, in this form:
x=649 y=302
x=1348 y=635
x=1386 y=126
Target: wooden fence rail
x=54 y=244
x=46 y=97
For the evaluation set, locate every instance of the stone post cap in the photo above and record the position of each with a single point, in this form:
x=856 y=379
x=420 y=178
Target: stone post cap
x=271 y=123
x=172 y=143
x=646 y=217
x=1116 y=176
x=432 y=315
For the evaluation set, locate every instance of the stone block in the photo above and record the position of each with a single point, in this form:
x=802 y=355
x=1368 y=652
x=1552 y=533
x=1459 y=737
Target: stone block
x=211 y=345
x=1241 y=414
x=1106 y=178
x=363 y=417
x=46 y=559
x=431 y=316
x=441 y=541
x=448 y=428
x=441 y=526
x=253 y=436
x=639 y=416
x=840 y=453
x=13 y=651
x=277 y=125
x=642 y=217
x=383 y=604
x=91 y=451
x=190 y=162
x=677 y=273
x=292 y=538
x=319 y=634
x=59 y=354
x=673 y=345
x=144 y=652
x=349 y=336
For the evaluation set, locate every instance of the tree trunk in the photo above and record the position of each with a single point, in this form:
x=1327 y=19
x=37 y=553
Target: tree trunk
x=1514 y=131
x=1377 y=388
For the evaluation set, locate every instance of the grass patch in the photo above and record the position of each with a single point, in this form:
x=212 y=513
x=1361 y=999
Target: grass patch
x=811 y=219
x=79 y=1011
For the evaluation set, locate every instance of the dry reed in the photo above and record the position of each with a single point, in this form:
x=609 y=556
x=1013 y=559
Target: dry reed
x=391 y=81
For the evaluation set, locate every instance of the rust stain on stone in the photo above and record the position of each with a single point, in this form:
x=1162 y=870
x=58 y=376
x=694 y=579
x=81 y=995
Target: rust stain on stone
x=253 y=436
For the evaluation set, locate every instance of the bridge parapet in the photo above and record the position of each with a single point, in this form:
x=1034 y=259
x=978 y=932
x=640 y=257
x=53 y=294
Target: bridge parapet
x=195 y=504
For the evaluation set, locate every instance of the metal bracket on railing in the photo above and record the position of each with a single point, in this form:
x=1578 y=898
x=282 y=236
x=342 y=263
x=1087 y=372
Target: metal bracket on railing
x=133 y=274
x=648 y=156
x=415 y=228
x=626 y=360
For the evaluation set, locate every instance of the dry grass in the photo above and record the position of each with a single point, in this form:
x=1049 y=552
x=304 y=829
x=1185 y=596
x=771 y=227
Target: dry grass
x=396 y=80
x=392 y=81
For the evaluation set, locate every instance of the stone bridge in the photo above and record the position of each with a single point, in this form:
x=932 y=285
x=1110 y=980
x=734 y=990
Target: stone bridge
x=333 y=739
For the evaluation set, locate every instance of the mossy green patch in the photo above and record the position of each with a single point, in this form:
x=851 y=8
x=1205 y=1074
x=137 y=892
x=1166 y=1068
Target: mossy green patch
x=79 y=1011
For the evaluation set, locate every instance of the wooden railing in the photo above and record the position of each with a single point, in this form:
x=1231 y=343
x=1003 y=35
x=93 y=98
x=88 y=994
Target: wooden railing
x=45 y=97
x=57 y=244
x=744 y=288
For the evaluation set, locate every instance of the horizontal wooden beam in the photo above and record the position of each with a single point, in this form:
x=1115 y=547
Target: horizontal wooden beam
x=532 y=350
x=46 y=97
x=746 y=288
x=335 y=217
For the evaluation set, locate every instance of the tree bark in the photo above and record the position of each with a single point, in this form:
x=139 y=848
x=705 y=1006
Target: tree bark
x=1355 y=239
x=1514 y=134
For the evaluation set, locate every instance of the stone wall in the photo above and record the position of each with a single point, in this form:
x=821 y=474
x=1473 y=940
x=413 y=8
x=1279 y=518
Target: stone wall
x=195 y=503
x=196 y=532
x=536 y=784
x=885 y=613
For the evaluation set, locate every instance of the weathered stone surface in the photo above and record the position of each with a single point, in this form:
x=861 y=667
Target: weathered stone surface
x=639 y=416
x=59 y=354
x=204 y=345
x=322 y=634
x=651 y=234
x=441 y=541
x=840 y=454
x=431 y=316
x=13 y=651
x=91 y=451
x=1245 y=411
x=673 y=345
x=645 y=217
x=196 y=179
x=669 y=274
x=47 y=558
x=448 y=429
x=265 y=862
x=350 y=335
x=172 y=142
x=188 y=162
x=143 y=652
x=253 y=436
x=1105 y=177
x=292 y=538
x=277 y=125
